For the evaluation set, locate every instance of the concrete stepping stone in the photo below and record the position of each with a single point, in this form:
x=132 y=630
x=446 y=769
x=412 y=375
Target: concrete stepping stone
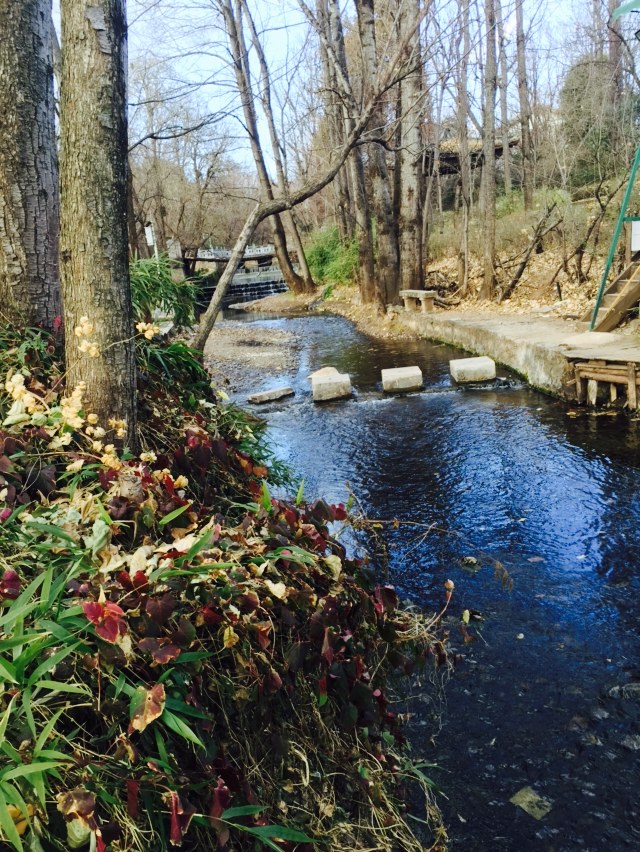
x=328 y=383
x=481 y=369
x=399 y=379
x=272 y=395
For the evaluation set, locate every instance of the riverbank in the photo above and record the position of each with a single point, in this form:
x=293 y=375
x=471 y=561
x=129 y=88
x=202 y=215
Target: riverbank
x=541 y=347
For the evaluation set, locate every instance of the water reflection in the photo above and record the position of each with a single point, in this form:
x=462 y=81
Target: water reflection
x=504 y=472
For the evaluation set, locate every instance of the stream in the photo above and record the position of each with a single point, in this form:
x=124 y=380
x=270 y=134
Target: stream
x=545 y=696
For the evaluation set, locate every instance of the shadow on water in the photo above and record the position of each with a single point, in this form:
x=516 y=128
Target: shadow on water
x=511 y=474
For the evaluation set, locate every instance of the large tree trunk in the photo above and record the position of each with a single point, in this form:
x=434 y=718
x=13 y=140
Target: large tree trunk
x=504 y=113
x=525 y=111
x=29 y=201
x=410 y=155
x=369 y=289
x=489 y=156
x=93 y=171
x=463 y=134
x=381 y=190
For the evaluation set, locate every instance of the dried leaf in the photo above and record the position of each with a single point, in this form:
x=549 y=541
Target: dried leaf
x=146 y=706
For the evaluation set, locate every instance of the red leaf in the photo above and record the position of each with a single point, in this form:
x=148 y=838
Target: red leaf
x=161 y=650
x=133 y=789
x=160 y=609
x=181 y=815
x=93 y=611
x=219 y=803
x=10 y=585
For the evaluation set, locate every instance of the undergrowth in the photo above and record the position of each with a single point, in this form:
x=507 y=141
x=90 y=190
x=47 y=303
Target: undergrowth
x=330 y=260
x=184 y=659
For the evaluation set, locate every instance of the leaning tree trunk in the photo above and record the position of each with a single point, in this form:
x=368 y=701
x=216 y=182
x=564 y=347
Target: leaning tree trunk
x=489 y=156
x=410 y=155
x=29 y=283
x=93 y=172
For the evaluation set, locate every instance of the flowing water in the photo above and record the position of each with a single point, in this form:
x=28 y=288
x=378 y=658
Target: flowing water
x=503 y=473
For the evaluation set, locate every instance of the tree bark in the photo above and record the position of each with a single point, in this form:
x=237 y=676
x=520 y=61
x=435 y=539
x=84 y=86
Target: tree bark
x=381 y=190
x=93 y=171
x=29 y=200
x=463 y=134
x=503 y=83
x=526 y=141
x=410 y=154
x=489 y=156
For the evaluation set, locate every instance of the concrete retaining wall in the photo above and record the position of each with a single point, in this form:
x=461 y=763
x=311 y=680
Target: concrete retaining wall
x=515 y=342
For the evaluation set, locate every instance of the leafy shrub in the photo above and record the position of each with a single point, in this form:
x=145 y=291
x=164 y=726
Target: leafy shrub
x=153 y=289
x=184 y=659
x=331 y=260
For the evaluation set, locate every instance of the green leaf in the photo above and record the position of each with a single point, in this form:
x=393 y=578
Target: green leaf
x=178 y=726
x=203 y=542
x=173 y=515
x=281 y=832
x=27 y=769
x=4 y=721
x=8 y=826
x=242 y=810
x=56 y=686
x=46 y=731
x=7 y=671
x=23 y=605
x=631 y=6
x=51 y=662
x=51 y=529
x=300 y=494
x=265 y=497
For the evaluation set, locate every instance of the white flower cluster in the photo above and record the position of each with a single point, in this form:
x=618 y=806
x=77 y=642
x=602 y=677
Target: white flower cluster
x=84 y=330
x=148 y=329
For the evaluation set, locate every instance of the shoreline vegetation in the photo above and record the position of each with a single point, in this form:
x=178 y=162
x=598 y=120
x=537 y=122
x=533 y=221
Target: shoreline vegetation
x=185 y=660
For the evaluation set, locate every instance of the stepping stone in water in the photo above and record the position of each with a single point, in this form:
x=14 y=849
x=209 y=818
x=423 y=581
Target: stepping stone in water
x=402 y=379
x=328 y=383
x=270 y=395
x=473 y=369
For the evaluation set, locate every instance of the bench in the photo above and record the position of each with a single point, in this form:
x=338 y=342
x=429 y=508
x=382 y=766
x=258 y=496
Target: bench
x=414 y=299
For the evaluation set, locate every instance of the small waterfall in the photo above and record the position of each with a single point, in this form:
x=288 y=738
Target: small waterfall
x=247 y=286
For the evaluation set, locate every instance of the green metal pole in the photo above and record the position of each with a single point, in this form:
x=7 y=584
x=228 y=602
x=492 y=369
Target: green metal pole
x=616 y=237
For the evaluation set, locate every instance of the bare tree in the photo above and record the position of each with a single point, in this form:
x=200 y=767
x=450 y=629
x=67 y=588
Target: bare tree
x=233 y=20
x=526 y=142
x=503 y=83
x=489 y=155
x=409 y=160
x=93 y=241
x=381 y=189
x=462 y=107
x=29 y=201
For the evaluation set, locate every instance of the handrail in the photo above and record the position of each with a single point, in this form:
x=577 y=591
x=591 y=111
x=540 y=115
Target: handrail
x=615 y=239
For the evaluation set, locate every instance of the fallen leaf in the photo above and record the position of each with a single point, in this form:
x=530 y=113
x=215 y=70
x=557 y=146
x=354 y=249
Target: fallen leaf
x=531 y=803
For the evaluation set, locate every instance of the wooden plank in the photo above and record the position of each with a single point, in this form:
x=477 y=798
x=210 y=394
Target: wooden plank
x=613 y=393
x=621 y=378
x=592 y=391
x=628 y=297
x=580 y=395
x=632 y=391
